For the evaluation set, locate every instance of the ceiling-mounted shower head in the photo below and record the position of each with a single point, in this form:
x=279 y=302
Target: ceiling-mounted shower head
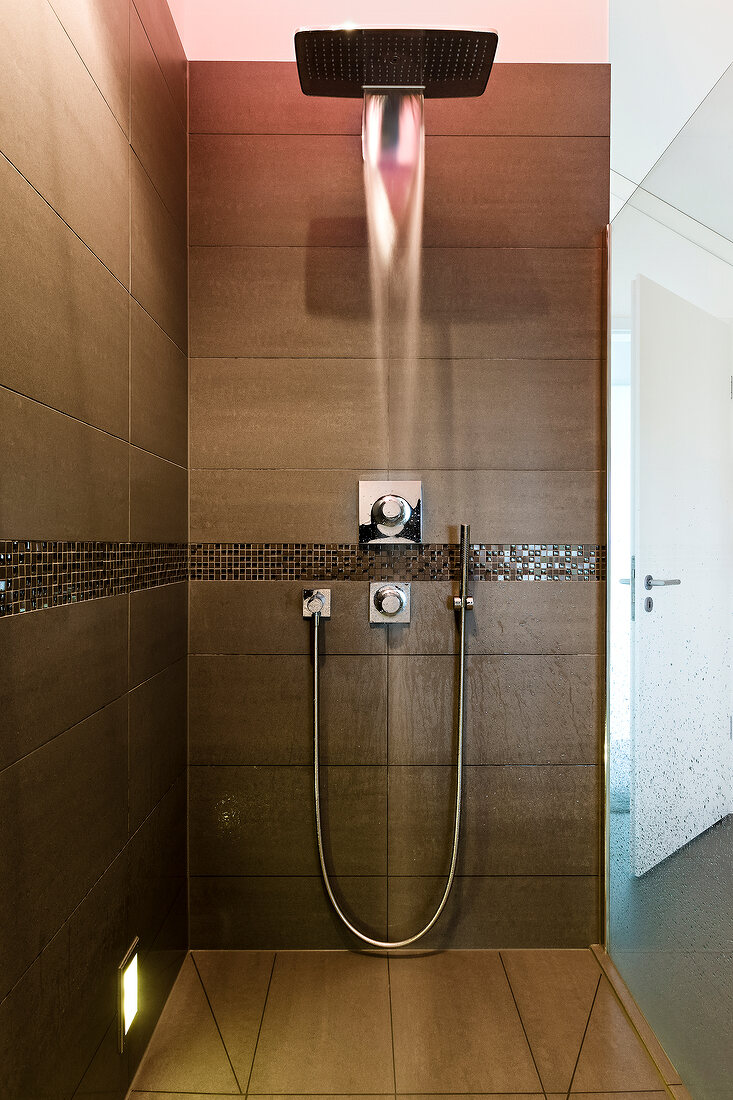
x=442 y=64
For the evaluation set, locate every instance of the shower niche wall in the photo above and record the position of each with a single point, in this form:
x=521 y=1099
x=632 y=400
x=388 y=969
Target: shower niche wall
x=499 y=414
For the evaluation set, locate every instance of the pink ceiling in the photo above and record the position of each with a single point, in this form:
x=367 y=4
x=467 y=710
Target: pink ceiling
x=262 y=30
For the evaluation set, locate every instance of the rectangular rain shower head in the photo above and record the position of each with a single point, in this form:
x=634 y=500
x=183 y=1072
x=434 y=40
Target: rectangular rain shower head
x=442 y=64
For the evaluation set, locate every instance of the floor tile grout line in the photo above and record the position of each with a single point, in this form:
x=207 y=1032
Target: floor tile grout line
x=262 y=1019
x=521 y=1021
x=216 y=1022
x=391 y=1020
x=580 y=1049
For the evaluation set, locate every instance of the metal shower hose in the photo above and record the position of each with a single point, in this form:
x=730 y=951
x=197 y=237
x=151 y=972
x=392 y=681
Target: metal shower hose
x=461 y=604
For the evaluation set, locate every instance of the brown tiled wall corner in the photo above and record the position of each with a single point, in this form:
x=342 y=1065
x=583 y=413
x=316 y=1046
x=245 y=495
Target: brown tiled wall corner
x=501 y=417
x=93 y=418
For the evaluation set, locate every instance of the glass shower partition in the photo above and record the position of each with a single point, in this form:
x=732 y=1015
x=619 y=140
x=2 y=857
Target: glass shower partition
x=670 y=604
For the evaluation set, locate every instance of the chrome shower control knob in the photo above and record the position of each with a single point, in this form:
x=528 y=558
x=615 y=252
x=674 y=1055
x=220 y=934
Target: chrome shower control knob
x=391 y=511
x=389 y=600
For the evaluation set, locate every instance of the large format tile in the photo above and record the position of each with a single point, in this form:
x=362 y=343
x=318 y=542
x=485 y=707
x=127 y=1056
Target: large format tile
x=236 y=984
x=474 y=414
x=259 y=710
x=524 y=820
x=58 y=131
x=308 y=413
x=100 y=33
x=158 y=257
x=158 y=499
x=264 y=97
x=319 y=1007
x=554 y=991
x=267 y=189
x=157 y=132
x=272 y=190
x=64 y=818
x=612 y=1058
x=276 y=505
x=519 y=709
x=158 y=389
x=63 y=315
x=498 y=911
x=161 y=30
x=286 y=912
x=258 y=820
x=59 y=667
x=188 y=1054
x=552 y=99
x=61 y=479
x=512 y=506
x=509 y=303
x=507 y=191
x=456 y=1027
x=157 y=752
x=158 y=634
x=305 y=302
x=507 y=617
x=226 y=618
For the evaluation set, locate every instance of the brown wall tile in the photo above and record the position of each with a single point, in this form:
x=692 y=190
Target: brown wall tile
x=59 y=667
x=509 y=191
x=64 y=818
x=158 y=257
x=496 y=414
x=496 y=911
x=257 y=709
x=101 y=34
x=158 y=492
x=60 y=479
x=63 y=315
x=307 y=413
x=158 y=389
x=509 y=303
x=525 y=820
x=551 y=99
x=157 y=629
x=161 y=30
x=276 y=505
x=267 y=189
x=280 y=301
x=512 y=506
x=507 y=617
x=157 y=133
x=59 y=132
x=157 y=752
x=528 y=709
x=264 y=97
x=259 y=820
x=225 y=618
x=277 y=911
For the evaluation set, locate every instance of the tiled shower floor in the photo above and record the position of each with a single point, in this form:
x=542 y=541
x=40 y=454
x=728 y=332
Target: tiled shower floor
x=333 y=1023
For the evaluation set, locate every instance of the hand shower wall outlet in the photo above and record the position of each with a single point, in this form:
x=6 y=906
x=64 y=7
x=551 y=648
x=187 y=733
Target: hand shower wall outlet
x=390 y=512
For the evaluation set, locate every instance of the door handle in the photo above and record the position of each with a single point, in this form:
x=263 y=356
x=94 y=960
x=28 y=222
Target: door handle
x=650 y=582
x=624 y=580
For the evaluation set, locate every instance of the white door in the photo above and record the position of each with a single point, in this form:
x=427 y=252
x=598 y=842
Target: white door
x=681 y=530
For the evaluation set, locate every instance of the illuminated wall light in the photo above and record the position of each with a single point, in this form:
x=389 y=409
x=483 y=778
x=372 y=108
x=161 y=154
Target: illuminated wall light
x=127 y=993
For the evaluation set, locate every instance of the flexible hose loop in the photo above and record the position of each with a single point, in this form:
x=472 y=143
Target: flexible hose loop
x=390 y=944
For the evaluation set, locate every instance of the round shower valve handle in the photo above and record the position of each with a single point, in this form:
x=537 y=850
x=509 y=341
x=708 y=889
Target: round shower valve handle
x=389 y=600
x=391 y=511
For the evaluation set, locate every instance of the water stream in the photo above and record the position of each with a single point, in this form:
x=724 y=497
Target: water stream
x=393 y=146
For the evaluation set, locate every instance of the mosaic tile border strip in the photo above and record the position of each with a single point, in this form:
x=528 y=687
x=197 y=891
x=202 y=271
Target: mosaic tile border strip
x=35 y=575
x=222 y=561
